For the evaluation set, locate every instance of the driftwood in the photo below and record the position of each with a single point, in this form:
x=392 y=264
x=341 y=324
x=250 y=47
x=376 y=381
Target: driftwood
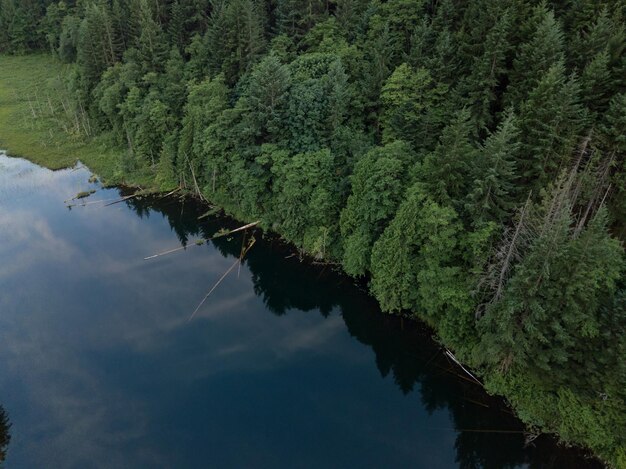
x=450 y=355
x=201 y=241
x=230 y=269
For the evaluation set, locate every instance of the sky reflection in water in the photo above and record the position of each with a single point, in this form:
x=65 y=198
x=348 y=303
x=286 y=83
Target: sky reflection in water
x=286 y=365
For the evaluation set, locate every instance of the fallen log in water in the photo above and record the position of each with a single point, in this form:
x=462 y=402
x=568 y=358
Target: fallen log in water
x=201 y=241
x=237 y=262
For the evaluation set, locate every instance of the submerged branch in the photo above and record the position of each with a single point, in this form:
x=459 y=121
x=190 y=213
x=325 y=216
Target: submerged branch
x=237 y=262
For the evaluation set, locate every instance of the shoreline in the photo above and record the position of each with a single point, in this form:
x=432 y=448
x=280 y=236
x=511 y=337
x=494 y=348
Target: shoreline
x=63 y=152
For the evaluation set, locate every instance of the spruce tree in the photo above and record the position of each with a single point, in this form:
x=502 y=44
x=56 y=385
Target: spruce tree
x=536 y=57
x=446 y=172
x=550 y=121
x=494 y=176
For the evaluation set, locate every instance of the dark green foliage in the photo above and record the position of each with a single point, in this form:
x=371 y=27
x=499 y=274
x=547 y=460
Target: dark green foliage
x=468 y=156
x=495 y=173
x=535 y=57
x=68 y=40
x=551 y=121
x=235 y=37
x=446 y=171
x=563 y=270
x=21 y=25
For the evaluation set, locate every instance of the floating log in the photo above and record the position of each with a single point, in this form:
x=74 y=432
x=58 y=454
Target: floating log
x=230 y=269
x=201 y=241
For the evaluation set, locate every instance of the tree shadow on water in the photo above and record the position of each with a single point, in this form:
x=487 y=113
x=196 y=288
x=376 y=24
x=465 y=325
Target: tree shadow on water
x=5 y=435
x=487 y=433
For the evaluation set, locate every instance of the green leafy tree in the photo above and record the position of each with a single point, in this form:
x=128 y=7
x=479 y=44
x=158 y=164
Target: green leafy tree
x=377 y=189
x=205 y=103
x=414 y=264
x=412 y=107
x=305 y=203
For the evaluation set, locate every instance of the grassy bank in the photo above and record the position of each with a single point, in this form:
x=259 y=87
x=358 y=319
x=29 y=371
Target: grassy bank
x=39 y=120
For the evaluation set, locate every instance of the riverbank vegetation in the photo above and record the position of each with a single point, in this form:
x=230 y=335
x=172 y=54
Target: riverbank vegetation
x=38 y=120
x=466 y=157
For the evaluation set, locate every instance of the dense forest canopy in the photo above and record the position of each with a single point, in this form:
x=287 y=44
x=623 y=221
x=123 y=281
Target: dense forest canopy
x=466 y=157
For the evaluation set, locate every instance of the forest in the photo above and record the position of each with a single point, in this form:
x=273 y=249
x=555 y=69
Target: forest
x=465 y=160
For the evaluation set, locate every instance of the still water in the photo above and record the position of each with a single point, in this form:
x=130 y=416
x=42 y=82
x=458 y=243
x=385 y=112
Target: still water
x=286 y=364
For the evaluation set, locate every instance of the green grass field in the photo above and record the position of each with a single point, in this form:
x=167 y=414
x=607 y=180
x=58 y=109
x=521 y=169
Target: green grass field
x=39 y=120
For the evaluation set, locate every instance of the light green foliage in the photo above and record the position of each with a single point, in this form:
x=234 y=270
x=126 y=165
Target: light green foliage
x=412 y=107
x=377 y=189
x=205 y=103
x=305 y=203
x=413 y=264
x=317 y=101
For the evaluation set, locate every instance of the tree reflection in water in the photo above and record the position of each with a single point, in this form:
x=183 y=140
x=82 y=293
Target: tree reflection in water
x=5 y=436
x=488 y=435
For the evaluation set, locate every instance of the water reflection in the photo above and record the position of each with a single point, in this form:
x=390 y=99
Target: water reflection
x=5 y=436
x=488 y=434
x=101 y=367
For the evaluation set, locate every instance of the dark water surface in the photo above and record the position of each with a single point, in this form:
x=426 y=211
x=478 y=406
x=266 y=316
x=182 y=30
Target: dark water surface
x=285 y=365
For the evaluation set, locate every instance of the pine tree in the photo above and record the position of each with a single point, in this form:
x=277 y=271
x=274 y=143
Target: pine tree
x=295 y=17
x=488 y=70
x=494 y=186
x=551 y=302
x=596 y=83
x=96 y=45
x=550 y=121
x=151 y=41
x=536 y=57
x=235 y=37
x=267 y=99
x=446 y=172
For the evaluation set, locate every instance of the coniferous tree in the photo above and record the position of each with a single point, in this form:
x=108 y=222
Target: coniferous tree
x=494 y=186
x=550 y=121
x=445 y=172
x=536 y=57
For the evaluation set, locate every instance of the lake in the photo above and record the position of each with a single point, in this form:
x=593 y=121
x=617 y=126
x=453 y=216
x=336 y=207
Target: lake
x=286 y=364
